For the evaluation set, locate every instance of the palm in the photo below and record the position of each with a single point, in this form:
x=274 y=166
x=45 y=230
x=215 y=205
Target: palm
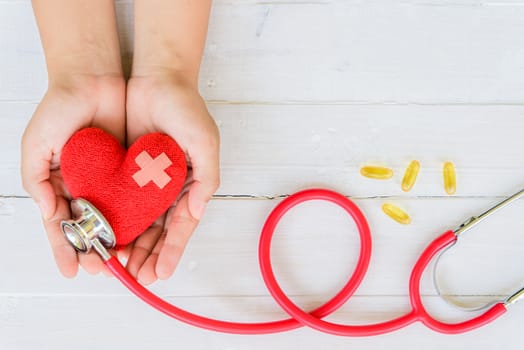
x=164 y=106
x=70 y=110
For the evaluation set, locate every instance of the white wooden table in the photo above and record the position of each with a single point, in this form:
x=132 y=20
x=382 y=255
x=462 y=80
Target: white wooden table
x=304 y=93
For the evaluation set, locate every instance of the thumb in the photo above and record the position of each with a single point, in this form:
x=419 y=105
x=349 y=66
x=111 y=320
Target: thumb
x=36 y=178
x=44 y=196
x=205 y=183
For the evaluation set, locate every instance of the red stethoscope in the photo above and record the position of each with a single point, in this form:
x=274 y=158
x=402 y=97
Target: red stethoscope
x=91 y=230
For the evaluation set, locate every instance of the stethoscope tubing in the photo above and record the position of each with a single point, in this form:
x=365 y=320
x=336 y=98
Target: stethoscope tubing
x=314 y=318
x=443 y=241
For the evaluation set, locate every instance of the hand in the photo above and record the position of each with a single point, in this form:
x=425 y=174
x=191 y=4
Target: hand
x=80 y=102
x=162 y=103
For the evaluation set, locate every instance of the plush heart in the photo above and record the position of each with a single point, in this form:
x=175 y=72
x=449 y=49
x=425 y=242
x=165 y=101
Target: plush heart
x=130 y=188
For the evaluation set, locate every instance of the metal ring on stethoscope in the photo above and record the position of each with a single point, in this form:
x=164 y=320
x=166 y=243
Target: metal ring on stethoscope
x=89 y=229
x=467 y=225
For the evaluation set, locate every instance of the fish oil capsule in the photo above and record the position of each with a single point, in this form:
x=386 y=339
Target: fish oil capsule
x=450 y=178
x=396 y=213
x=410 y=176
x=376 y=172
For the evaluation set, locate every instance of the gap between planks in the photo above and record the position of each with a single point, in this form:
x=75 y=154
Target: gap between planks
x=282 y=196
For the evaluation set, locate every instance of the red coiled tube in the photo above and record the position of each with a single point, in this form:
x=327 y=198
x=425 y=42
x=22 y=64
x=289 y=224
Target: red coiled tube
x=314 y=319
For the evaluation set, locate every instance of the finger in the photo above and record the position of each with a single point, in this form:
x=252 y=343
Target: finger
x=147 y=273
x=124 y=253
x=36 y=163
x=107 y=272
x=180 y=224
x=206 y=179
x=142 y=248
x=92 y=263
x=65 y=255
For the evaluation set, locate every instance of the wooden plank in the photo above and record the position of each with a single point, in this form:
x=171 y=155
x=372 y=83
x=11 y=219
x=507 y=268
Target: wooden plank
x=57 y=322
x=351 y=52
x=304 y=93
x=314 y=251
x=270 y=150
x=352 y=2
x=13 y=120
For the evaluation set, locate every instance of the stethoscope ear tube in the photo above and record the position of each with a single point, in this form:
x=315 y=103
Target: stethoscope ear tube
x=463 y=228
x=444 y=241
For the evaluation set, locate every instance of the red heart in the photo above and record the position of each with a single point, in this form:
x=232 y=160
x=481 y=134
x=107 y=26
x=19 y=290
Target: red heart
x=130 y=188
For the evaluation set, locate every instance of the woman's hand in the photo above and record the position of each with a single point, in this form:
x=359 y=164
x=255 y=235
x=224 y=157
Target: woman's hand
x=86 y=88
x=68 y=106
x=163 y=103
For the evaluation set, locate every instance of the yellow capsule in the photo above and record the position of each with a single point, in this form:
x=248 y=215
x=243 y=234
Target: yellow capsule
x=396 y=213
x=410 y=176
x=450 y=178
x=376 y=172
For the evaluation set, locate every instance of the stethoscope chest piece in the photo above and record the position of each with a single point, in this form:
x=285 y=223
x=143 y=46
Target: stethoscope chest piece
x=88 y=228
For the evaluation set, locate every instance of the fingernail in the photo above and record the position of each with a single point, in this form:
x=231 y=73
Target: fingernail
x=142 y=282
x=44 y=210
x=199 y=210
x=146 y=276
x=164 y=272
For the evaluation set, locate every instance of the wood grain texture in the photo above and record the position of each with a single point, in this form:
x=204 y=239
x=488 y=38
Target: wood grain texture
x=312 y=239
x=271 y=150
x=328 y=51
x=75 y=322
x=304 y=93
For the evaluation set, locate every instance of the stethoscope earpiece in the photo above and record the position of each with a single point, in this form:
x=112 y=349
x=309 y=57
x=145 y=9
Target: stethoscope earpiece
x=88 y=229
